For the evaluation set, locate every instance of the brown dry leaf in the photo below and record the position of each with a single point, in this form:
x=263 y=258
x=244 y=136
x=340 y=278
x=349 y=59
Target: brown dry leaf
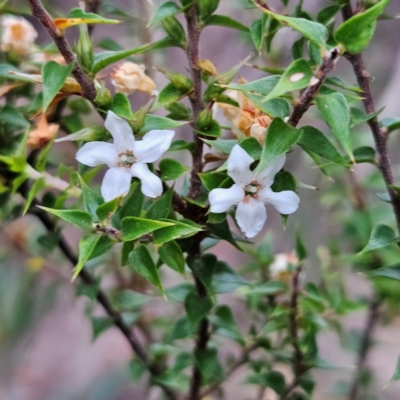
x=43 y=133
x=6 y=88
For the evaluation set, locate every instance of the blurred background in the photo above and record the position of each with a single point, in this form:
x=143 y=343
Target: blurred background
x=47 y=345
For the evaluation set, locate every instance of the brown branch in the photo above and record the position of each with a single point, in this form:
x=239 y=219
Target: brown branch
x=193 y=31
x=306 y=98
x=372 y=319
x=87 y=278
x=378 y=133
x=46 y=20
x=239 y=362
x=92 y=6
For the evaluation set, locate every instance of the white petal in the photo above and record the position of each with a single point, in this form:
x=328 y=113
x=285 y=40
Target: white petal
x=222 y=200
x=116 y=182
x=153 y=145
x=251 y=216
x=239 y=166
x=267 y=176
x=121 y=132
x=97 y=153
x=151 y=183
x=286 y=202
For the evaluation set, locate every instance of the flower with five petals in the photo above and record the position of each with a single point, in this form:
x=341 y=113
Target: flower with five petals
x=126 y=158
x=251 y=192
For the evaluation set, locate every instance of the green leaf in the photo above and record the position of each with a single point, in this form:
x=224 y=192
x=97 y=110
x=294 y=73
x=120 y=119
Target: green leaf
x=161 y=207
x=284 y=180
x=313 y=31
x=225 y=323
x=121 y=106
x=396 y=375
x=141 y=261
x=225 y=279
x=300 y=248
x=275 y=108
x=107 y=58
x=212 y=130
x=212 y=180
x=171 y=255
x=106 y=210
x=153 y=122
x=208 y=364
x=356 y=33
x=222 y=230
x=54 y=76
x=76 y=217
x=327 y=14
x=257 y=32
x=280 y=138
x=99 y=325
x=181 y=145
x=171 y=169
x=133 y=205
x=34 y=190
x=297 y=76
x=135 y=227
x=86 y=247
x=178 y=230
x=263 y=86
x=203 y=268
x=227 y=22
x=390 y=123
x=197 y=308
x=170 y=94
x=391 y=272
x=381 y=236
x=335 y=110
x=103 y=245
x=273 y=379
x=223 y=145
x=167 y=9
x=314 y=140
x=79 y=13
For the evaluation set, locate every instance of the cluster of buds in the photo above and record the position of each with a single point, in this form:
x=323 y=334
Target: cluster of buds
x=129 y=77
x=17 y=34
x=247 y=117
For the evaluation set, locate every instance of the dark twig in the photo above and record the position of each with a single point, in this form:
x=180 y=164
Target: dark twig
x=298 y=362
x=372 y=319
x=87 y=278
x=46 y=20
x=92 y=6
x=378 y=133
x=306 y=98
x=194 y=30
x=239 y=362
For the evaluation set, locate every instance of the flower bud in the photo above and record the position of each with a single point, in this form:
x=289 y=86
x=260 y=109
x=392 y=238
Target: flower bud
x=181 y=82
x=103 y=96
x=89 y=134
x=129 y=77
x=204 y=119
x=281 y=269
x=207 y=67
x=17 y=34
x=84 y=49
x=174 y=29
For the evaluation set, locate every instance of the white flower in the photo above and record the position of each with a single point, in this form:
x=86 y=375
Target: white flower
x=17 y=34
x=251 y=192
x=280 y=268
x=126 y=158
x=129 y=77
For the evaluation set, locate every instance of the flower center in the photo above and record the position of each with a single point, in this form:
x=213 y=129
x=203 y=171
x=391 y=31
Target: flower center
x=252 y=189
x=126 y=159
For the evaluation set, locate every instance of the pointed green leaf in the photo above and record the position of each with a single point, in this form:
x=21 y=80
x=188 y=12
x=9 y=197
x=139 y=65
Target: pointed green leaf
x=171 y=169
x=141 y=261
x=262 y=86
x=134 y=227
x=170 y=94
x=297 y=76
x=35 y=189
x=166 y=10
x=106 y=210
x=314 y=140
x=356 y=33
x=79 y=13
x=391 y=272
x=197 y=308
x=91 y=199
x=335 y=110
x=275 y=108
x=86 y=247
x=257 y=32
x=153 y=122
x=76 y=217
x=133 y=205
x=161 y=207
x=171 y=255
x=54 y=76
x=381 y=236
x=280 y=138
x=227 y=22
x=178 y=230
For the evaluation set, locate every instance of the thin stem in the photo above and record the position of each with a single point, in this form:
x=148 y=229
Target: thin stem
x=87 y=278
x=372 y=319
x=239 y=362
x=46 y=20
x=378 y=133
x=194 y=30
x=306 y=98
